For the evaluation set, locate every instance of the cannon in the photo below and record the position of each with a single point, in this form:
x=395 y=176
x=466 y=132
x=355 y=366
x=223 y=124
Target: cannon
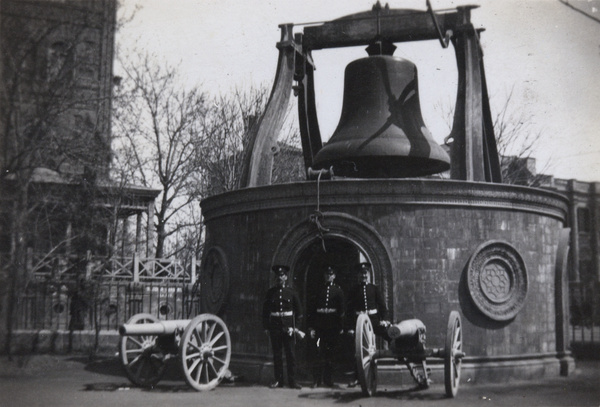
x=202 y=344
x=407 y=345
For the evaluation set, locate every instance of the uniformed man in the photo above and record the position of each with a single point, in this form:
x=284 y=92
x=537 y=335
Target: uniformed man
x=365 y=298
x=281 y=314
x=325 y=322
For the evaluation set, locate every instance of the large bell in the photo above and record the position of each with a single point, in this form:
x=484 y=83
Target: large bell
x=381 y=133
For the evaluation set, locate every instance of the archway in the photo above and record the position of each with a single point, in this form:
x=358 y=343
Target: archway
x=336 y=251
x=344 y=242
x=310 y=263
x=348 y=240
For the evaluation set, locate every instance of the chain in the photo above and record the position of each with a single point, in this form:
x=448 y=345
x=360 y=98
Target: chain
x=317 y=216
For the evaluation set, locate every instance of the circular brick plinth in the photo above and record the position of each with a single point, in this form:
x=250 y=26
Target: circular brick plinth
x=421 y=237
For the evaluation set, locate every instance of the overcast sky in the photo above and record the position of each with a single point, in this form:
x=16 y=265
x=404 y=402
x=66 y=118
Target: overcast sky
x=546 y=52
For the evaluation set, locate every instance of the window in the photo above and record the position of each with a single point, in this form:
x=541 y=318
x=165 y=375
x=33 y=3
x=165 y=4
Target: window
x=583 y=219
x=57 y=58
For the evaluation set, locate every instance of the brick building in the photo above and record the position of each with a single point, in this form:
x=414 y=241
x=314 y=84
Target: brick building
x=56 y=78
x=584 y=221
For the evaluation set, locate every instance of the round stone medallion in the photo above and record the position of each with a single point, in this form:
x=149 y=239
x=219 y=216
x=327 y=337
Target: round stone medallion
x=214 y=280
x=497 y=280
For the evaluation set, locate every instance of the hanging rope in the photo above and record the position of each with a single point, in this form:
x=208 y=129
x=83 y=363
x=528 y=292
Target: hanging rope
x=317 y=216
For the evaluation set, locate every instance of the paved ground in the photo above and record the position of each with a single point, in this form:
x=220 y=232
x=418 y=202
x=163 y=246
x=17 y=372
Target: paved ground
x=74 y=381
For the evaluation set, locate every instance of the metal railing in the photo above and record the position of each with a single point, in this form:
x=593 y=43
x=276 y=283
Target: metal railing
x=70 y=292
x=585 y=312
x=101 y=304
x=106 y=292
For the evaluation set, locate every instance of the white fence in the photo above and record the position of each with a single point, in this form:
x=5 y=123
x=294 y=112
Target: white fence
x=135 y=268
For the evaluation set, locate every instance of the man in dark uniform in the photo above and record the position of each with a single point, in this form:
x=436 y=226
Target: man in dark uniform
x=365 y=298
x=324 y=320
x=281 y=313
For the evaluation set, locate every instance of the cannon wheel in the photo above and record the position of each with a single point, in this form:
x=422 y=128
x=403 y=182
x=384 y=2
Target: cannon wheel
x=366 y=365
x=205 y=352
x=453 y=354
x=143 y=360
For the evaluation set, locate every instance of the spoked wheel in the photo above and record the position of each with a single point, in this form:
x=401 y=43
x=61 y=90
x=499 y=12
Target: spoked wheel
x=365 y=346
x=143 y=360
x=453 y=354
x=205 y=352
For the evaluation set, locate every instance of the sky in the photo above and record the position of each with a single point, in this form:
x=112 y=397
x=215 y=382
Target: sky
x=543 y=52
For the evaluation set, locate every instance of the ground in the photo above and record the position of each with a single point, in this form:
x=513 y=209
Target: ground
x=74 y=380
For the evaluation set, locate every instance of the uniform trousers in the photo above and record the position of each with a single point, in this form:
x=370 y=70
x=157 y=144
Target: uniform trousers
x=280 y=341
x=328 y=338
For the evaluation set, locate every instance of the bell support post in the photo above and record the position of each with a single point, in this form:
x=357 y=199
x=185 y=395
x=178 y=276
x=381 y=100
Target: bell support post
x=258 y=160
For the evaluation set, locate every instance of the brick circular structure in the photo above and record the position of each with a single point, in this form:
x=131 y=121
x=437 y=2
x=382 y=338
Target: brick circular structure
x=497 y=280
x=420 y=236
x=214 y=278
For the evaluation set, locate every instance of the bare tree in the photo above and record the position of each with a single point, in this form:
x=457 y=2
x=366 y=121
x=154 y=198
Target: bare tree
x=585 y=13
x=53 y=139
x=157 y=129
x=227 y=127
x=516 y=142
x=189 y=145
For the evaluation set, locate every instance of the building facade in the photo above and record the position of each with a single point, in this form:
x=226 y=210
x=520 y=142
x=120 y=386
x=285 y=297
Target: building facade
x=57 y=79
x=55 y=137
x=62 y=218
x=583 y=220
x=584 y=261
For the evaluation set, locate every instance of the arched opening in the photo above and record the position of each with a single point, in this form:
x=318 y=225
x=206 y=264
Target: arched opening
x=310 y=264
x=346 y=242
x=343 y=254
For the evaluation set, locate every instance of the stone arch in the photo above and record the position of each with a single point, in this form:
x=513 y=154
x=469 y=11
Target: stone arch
x=346 y=227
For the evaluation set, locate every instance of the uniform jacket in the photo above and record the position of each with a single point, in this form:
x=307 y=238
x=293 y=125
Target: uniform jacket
x=329 y=297
x=365 y=297
x=281 y=300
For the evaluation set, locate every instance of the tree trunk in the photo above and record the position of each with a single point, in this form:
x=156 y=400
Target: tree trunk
x=160 y=240
x=17 y=260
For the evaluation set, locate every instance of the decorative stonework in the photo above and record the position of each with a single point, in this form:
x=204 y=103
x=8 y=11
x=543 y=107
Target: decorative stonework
x=214 y=280
x=497 y=280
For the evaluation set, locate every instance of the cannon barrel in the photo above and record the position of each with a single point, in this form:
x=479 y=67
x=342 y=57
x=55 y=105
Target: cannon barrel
x=154 y=328
x=405 y=329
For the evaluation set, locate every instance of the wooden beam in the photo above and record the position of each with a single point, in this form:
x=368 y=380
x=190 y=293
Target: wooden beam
x=473 y=150
x=258 y=161
x=396 y=26
x=310 y=134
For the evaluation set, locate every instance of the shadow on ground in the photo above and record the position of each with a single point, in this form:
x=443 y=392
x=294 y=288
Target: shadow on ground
x=346 y=396
x=111 y=366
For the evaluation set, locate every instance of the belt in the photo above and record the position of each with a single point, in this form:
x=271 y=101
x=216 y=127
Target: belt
x=282 y=314
x=368 y=312
x=326 y=310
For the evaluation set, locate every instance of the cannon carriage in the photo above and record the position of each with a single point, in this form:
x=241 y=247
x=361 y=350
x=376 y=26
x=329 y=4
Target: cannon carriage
x=407 y=345
x=202 y=346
